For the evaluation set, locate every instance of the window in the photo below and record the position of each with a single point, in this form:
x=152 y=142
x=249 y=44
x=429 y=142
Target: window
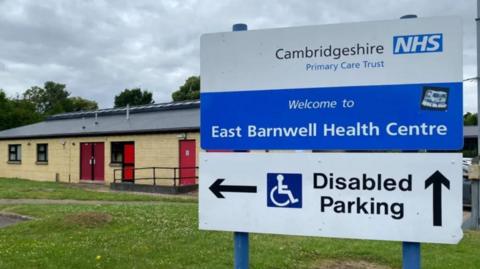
x=42 y=152
x=117 y=151
x=14 y=153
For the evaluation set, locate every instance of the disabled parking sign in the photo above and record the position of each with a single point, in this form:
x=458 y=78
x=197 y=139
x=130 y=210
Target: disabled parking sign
x=377 y=196
x=284 y=190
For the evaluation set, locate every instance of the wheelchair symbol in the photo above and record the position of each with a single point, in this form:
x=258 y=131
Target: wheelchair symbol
x=285 y=190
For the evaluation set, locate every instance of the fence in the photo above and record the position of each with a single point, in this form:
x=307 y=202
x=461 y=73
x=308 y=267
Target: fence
x=159 y=175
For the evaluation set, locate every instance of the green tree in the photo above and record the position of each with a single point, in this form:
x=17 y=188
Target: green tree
x=49 y=100
x=470 y=119
x=36 y=96
x=17 y=112
x=80 y=104
x=190 y=90
x=24 y=113
x=5 y=108
x=53 y=98
x=36 y=103
x=133 y=97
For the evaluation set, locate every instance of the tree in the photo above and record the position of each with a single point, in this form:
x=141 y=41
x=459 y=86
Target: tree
x=470 y=119
x=49 y=100
x=190 y=90
x=36 y=96
x=24 y=113
x=16 y=112
x=80 y=104
x=133 y=97
x=37 y=103
x=5 y=108
x=53 y=98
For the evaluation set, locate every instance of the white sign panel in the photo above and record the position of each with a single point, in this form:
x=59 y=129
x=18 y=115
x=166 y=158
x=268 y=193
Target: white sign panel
x=423 y=50
x=414 y=197
x=384 y=85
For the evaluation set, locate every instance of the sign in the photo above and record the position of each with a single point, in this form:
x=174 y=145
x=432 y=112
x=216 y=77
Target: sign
x=362 y=86
x=414 y=197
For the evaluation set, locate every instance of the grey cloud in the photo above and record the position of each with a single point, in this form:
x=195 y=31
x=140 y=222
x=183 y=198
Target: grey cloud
x=98 y=48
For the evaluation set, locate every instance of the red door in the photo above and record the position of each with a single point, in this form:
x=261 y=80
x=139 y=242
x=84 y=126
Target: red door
x=98 y=161
x=128 y=162
x=92 y=161
x=86 y=156
x=187 y=162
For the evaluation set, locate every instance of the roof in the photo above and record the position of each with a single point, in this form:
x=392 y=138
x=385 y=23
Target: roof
x=155 y=118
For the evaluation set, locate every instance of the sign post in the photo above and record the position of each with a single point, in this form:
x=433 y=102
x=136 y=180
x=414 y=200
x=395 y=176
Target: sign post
x=241 y=240
x=411 y=251
x=411 y=255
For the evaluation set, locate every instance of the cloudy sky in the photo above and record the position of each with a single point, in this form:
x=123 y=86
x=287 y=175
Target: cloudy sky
x=99 y=48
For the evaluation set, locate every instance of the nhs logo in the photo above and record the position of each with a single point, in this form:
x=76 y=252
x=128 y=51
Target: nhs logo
x=417 y=43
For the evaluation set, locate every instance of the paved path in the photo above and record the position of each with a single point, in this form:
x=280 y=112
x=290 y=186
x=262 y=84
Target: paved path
x=7 y=219
x=73 y=202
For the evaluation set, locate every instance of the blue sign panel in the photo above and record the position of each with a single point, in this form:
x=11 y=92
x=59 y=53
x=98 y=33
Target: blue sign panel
x=382 y=117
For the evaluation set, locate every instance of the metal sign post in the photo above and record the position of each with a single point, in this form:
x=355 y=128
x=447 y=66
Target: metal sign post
x=475 y=210
x=411 y=255
x=410 y=250
x=241 y=241
x=474 y=220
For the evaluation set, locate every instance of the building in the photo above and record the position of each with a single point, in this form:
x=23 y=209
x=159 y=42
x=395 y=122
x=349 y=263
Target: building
x=470 y=136
x=155 y=144
x=152 y=144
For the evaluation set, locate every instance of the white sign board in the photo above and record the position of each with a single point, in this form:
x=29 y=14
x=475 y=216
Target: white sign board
x=347 y=54
x=414 y=197
x=384 y=85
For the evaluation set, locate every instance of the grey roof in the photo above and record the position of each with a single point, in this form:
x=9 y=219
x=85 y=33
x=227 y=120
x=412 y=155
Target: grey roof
x=169 y=117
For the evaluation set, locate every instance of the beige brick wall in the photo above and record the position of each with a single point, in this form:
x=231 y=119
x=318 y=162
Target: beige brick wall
x=64 y=156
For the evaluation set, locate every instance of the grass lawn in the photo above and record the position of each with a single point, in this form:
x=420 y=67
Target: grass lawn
x=166 y=236
x=27 y=189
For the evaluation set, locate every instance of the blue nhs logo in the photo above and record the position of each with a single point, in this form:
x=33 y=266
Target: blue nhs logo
x=417 y=43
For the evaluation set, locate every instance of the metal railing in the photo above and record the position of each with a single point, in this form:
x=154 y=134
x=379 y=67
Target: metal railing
x=157 y=173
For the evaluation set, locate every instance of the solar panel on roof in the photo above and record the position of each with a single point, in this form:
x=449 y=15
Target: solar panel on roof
x=134 y=109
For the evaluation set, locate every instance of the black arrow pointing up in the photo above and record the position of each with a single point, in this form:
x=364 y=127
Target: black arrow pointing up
x=437 y=179
x=217 y=188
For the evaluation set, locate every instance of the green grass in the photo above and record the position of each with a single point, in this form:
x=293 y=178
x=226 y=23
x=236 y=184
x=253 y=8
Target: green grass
x=166 y=235
x=27 y=189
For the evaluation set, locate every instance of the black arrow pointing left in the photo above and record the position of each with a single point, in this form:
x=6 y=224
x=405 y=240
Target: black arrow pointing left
x=217 y=188
x=437 y=179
